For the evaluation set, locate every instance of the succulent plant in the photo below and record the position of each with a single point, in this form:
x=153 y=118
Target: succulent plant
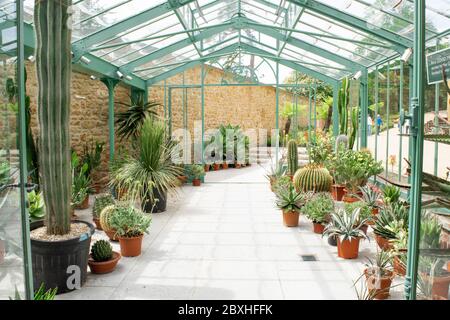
x=319 y=208
x=292 y=157
x=105 y=216
x=101 y=251
x=391 y=194
x=102 y=201
x=392 y=219
x=346 y=225
x=313 y=177
x=288 y=199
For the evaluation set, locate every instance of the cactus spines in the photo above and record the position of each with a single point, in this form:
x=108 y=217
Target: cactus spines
x=101 y=251
x=292 y=157
x=102 y=201
x=105 y=217
x=54 y=69
x=313 y=178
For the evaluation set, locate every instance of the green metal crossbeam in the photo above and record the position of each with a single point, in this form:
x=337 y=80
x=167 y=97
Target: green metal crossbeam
x=400 y=43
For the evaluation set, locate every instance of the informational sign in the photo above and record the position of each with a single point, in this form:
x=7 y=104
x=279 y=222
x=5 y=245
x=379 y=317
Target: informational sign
x=435 y=61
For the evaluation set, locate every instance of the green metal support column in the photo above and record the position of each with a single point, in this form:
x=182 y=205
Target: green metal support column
x=26 y=246
x=310 y=97
x=410 y=142
x=315 y=108
x=376 y=112
x=169 y=110
x=400 y=108
x=335 y=109
x=388 y=107
x=436 y=121
x=110 y=84
x=203 y=111
x=165 y=99
x=418 y=104
x=277 y=111
x=364 y=96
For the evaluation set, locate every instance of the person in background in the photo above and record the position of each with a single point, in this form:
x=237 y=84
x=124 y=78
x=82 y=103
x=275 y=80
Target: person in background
x=369 y=125
x=379 y=124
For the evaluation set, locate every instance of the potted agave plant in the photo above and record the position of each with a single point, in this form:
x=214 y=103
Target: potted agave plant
x=379 y=275
x=390 y=221
x=102 y=258
x=130 y=225
x=371 y=197
x=399 y=250
x=290 y=202
x=196 y=173
x=101 y=202
x=364 y=213
x=318 y=209
x=347 y=228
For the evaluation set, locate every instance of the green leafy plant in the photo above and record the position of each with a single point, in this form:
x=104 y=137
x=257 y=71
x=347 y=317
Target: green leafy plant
x=336 y=164
x=130 y=222
x=365 y=212
x=346 y=226
x=370 y=196
x=130 y=121
x=282 y=182
x=101 y=251
x=91 y=156
x=196 y=171
x=320 y=148
x=5 y=172
x=36 y=208
x=391 y=194
x=81 y=181
x=288 y=199
x=39 y=294
x=430 y=232
x=102 y=201
x=319 y=208
x=391 y=220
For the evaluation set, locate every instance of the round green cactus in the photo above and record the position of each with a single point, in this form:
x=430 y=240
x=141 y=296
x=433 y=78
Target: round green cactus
x=105 y=216
x=102 y=201
x=313 y=178
x=292 y=157
x=101 y=251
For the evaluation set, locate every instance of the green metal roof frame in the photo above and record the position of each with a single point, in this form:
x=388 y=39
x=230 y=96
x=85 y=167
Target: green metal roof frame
x=196 y=34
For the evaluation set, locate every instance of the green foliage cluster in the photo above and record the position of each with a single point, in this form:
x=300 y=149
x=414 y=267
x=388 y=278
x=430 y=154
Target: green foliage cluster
x=129 y=222
x=319 y=208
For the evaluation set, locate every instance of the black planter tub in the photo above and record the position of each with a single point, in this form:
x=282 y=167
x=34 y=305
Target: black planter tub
x=57 y=263
x=160 y=203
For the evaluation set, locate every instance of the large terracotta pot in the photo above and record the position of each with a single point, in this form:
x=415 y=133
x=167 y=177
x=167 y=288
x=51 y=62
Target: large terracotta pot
x=291 y=218
x=318 y=228
x=383 y=243
x=196 y=182
x=379 y=286
x=337 y=191
x=348 y=249
x=130 y=247
x=216 y=166
x=104 y=266
x=399 y=267
x=439 y=285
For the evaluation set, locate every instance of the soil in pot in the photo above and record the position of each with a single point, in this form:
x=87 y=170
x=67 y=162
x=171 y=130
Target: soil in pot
x=130 y=247
x=53 y=257
x=348 y=249
x=318 y=228
x=196 y=182
x=337 y=192
x=379 y=286
x=290 y=218
x=383 y=243
x=104 y=266
x=98 y=225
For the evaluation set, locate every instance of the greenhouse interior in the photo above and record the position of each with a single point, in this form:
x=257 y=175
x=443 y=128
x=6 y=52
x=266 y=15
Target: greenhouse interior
x=224 y=150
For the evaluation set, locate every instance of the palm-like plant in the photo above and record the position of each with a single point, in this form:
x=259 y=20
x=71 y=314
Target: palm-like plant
x=345 y=225
x=130 y=121
x=150 y=171
x=288 y=199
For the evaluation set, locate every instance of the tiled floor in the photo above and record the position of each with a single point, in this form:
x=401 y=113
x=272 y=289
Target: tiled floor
x=225 y=240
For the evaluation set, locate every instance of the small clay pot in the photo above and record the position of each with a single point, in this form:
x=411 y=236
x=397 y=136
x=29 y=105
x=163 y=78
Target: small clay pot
x=131 y=247
x=111 y=235
x=182 y=179
x=98 y=225
x=348 y=249
x=83 y=205
x=196 y=182
x=225 y=165
x=291 y=218
x=399 y=267
x=216 y=166
x=379 y=286
x=104 y=266
x=237 y=165
x=383 y=243
x=318 y=228
x=207 y=167
x=337 y=191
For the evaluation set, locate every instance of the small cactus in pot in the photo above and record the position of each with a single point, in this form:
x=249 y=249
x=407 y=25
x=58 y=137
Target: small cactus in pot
x=103 y=259
x=101 y=202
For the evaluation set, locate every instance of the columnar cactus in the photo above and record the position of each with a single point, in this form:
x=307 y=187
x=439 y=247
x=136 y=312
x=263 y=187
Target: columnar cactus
x=313 y=178
x=292 y=157
x=101 y=251
x=102 y=201
x=54 y=68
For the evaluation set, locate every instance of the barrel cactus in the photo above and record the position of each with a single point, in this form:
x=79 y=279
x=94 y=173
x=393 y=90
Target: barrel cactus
x=313 y=178
x=54 y=69
x=101 y=251
x=292 y=157
x=105 y=217
x=102 y=201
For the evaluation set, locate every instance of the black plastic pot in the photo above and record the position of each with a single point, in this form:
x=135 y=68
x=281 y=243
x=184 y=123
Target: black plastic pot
x=160 y=203
x=332 y=241
x=57 y=263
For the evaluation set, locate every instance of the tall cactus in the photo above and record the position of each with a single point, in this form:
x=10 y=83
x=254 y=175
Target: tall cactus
x=343 y=100
x=292 y=157
x=54 y=68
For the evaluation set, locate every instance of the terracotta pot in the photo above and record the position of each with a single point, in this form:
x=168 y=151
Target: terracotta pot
x=439 y=287
x=379 y=286
x=237 y=165
x=196 y=182
x=84 y=204
x=207 y=167
x=290 y=218
x=448 y=266
x=375 y=211
x=347 y=198
x=318 y=228
x=399 y=267
x=216 y=166
x=104 y=266
x=97 y=187
x=383 y=243
x=111 y=235
x=348 y=249
x=337 y=192
x=364 y=228
x=130 y=247
x=182 y=179
x=225 y=165
x=98 y=225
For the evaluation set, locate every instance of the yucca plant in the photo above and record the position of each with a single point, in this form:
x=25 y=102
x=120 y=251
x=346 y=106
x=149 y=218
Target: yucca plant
x=345 y=225
x=149 y=172
x=289 y=200
x=131 y=120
